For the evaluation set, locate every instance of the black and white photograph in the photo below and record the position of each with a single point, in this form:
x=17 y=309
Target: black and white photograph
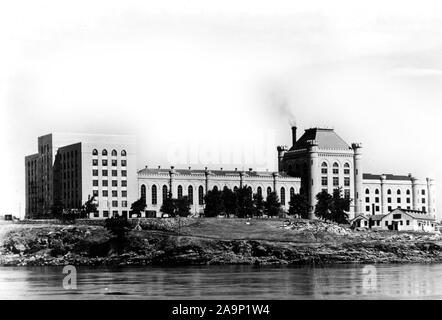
x=235 y=151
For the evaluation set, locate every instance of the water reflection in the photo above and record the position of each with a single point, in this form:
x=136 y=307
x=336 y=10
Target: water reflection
x=227 y=282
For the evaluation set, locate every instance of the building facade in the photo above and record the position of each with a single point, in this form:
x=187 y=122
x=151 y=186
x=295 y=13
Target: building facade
x=155 y=184
x=71 y=168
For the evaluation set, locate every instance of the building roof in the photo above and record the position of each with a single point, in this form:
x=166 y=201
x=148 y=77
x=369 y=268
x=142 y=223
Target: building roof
x=415 y=214
x=248 y=173
x=369 y=176
x=326 y=139
x=376 y=217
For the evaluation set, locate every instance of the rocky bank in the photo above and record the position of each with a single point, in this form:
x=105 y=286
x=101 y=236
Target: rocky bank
x=167 y=242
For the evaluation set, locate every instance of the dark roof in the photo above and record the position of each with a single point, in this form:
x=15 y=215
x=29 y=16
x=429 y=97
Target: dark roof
x=326 y=139
x=369 y=176
x=376 y=217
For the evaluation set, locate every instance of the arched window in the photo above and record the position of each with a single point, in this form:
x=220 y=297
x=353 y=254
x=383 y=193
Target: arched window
x=250 y=188
x=335 y=168
x=283 y=196
x=190 y=194
x=164 y=193
x=95 y=152
x=180 y=192
x=123 y=153
x=104 y=152
x=235 y=188
x=292 y=193
x=215 y=188
x=143 y=193
x=154 y=194
x=259 y=191
x=376 y=191
x=269 y=190
x=408 y=192
x=346 y=168
x=398 y=191
x=114 y=153
x=200 y=195
x=367 y=191
x=324 y=168
x=389 y=191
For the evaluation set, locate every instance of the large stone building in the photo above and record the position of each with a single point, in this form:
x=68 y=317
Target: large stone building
x=71 y=168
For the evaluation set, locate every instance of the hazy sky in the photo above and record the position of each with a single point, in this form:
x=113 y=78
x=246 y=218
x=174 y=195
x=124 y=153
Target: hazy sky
x=218 y=85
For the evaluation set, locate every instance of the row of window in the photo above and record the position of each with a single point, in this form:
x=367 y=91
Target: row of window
x=104 y=173
x=398 y=192
x=105 y=193
x=114 y=204
x=105 y=183
x=104 y=162
x=154 y=197
x=104 y=152
x=335 y=168
x=390 y=208
x=324 y=181
x=389 y=200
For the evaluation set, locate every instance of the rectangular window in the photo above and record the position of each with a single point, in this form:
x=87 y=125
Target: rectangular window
x=389 y=200
x=335 y=171
x=324 y=181
x=114 y=193
x=347 y=193
x=105 y=214
x=95 y=162
x=377 y=208
x=376 y=199
x=124 y=193
x=378 y=223
x=114 y=163
x=423 y=200
x=423 y=192
x=386 y=223
x=123 y=173
x=346 y=181
x=346 y=171
x=367 y=208
x=124 y=183
x=114 y=183
x=104 y=162
x=398 y=200
x=124 y=204
x=389 y=208
x=94 y=173
x=114 y=173
x=408 y=200
x=324 y=170
x=114 y=204
x=96 y=214
x=335 y=181
x=104 y=173
x=94 y=193
x=115 y=213
x=401 y=222
x=95 y=183
x=123 y=163
x=367 y=199
x=104 y=193
x=104 y=183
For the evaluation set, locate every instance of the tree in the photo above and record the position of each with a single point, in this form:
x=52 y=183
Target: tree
x=272 y=205
x=57 y=208
x=168 y=206
x=182 y=207
x=340 y=207
x=230 y=201
x=299 y=205
x=90 y=206
x=138 y=206
x=258 y=203
x=214 y=203
x=324 y=205
x=118 y=226
x=245 y=202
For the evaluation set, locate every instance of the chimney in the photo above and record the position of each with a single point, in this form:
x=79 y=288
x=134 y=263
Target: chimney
x=293 y=135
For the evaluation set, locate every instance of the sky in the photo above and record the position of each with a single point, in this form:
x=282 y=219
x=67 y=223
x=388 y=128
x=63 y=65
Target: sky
x=219 y=85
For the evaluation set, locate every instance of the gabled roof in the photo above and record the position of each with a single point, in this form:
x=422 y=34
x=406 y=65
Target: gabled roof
x=414 y=214
x=326 y=139
x=376 y=217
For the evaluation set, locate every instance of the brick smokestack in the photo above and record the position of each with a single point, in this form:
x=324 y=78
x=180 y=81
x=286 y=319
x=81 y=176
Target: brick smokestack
x=294 y=135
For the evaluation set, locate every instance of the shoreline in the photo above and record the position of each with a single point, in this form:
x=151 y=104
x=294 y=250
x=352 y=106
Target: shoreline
x=168 y=242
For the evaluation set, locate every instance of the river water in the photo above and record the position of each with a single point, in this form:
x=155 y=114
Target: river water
x=411 y=281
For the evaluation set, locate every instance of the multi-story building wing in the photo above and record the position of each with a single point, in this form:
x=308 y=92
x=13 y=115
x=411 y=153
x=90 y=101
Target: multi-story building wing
x=71 y=168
